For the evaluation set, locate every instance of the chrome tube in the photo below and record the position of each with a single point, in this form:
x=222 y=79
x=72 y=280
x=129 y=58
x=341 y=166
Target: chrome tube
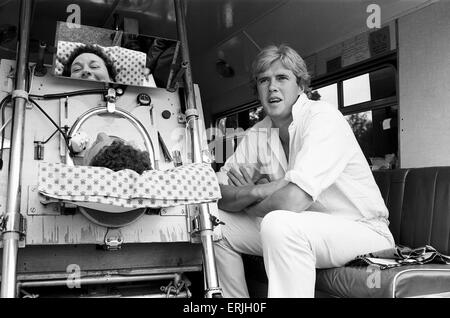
x=194 y=134
x=182 y=294
x=98 y=280
x=10 y=249
x=11 y=235
x=210 y=273
x=191 y=112
x=182 y=35
x=212 y=288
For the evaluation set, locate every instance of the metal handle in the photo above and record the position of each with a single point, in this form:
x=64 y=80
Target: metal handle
x=119 y=113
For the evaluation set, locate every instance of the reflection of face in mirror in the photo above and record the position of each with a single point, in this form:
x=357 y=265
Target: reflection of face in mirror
x=130 y=59
x=90 y=62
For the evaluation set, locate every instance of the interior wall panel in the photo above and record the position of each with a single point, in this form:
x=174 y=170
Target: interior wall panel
x=424 y=85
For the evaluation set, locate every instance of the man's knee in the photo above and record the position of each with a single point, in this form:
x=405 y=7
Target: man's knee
x=282 y=225
x=275 y=225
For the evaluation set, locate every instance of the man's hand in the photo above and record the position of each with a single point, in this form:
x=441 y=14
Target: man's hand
x=265 y=190
x=239 y=179
x=242 y=191
x=242 y=178
x=259 y=185
x=236 y=199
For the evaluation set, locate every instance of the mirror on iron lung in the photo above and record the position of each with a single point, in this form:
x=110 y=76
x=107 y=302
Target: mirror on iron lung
x=108 y=56
x=96 y=54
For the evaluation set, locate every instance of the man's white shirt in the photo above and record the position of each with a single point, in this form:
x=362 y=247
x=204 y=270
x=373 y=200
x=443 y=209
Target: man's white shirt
x=325 y=161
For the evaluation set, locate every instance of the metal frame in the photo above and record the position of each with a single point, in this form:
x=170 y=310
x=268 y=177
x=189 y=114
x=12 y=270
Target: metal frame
x=212 y=288
x=173 y=290
x=11 y=232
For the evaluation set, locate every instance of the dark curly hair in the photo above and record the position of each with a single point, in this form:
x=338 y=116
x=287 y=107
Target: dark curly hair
x=94 y=49
x=118 y=156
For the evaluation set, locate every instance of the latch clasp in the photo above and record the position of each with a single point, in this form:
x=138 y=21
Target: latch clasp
x=113 y=240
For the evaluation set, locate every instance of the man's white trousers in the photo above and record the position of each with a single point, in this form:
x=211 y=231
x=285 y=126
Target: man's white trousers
x=293 y=246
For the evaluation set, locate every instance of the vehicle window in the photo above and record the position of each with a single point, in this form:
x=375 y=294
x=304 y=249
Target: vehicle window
x=377 y=134
x=356 y=90
x=329 y=93
x=370 y=86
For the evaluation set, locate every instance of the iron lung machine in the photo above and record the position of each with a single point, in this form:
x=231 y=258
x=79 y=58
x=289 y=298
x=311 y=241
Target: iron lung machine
x=153 y=250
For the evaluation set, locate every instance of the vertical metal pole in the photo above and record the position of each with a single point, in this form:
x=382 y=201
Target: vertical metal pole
x=206 y=226
x=191 y=112
x=11 y=233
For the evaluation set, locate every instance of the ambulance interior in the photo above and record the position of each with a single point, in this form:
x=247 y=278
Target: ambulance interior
x=181 y=92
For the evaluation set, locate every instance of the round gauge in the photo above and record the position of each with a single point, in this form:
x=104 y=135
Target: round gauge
x=166 y=114
x=144 y=99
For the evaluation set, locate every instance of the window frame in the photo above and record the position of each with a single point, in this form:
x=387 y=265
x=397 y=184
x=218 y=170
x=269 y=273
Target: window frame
x=386 y=60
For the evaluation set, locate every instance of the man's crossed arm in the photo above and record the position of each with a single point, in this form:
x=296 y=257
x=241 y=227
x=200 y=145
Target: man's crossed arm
x=288 y=197
x=242 y=194
x=243 y=191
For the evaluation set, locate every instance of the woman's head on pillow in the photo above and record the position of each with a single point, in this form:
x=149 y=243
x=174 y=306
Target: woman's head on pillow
x=115 y=154
x=90 y=62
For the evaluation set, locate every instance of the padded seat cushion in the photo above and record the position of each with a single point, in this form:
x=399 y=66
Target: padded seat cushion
x=370 y=282
x=365 y=282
